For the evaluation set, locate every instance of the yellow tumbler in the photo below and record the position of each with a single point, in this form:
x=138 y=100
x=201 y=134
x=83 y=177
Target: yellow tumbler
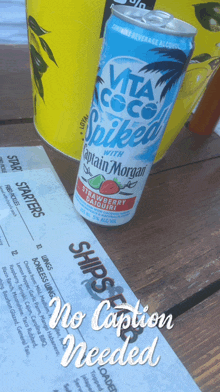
x=65 y=44
x=205 y=16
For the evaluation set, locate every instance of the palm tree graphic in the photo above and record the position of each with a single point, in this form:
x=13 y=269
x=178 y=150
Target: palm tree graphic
x=172 y=70
x=98 y=80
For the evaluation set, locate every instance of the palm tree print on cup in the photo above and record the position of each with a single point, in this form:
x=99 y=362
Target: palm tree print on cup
x=39 y=65
x=172 y=70
x=201 y=68
x=197 y=76
x=99 y=80
x=208 y=15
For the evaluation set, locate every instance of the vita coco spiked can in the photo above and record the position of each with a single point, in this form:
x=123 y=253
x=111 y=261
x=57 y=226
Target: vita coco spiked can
x=142 y=66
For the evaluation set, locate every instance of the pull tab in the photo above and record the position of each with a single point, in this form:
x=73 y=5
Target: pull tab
x=157 y=18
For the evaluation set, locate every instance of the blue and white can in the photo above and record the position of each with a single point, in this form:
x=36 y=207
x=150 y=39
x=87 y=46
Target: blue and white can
x=144 y=58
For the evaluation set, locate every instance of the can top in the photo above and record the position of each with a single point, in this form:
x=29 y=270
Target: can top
x=160 y=21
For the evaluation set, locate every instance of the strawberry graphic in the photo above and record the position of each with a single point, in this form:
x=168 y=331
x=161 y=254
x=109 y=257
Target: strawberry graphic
x=109 y=187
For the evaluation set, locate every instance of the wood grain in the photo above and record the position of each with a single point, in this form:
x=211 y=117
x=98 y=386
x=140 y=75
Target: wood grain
x=187 y=148
x=15 y=82
x=170 y=249
x=195 y=339
x=26 y=135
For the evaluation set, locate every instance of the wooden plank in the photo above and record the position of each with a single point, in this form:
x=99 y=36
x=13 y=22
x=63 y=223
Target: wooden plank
x=18 y=135
x=26 y=135
x=187 y=148
x=15 y=81
x=195 y=339
x=170 y=249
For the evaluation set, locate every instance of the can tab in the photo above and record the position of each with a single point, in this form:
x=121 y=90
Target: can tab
x=157 y=18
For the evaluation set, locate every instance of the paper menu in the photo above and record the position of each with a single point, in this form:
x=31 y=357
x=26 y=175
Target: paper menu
x=37 y=264
x=16 y=159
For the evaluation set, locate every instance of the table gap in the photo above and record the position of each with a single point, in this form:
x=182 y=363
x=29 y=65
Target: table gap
x=195 y=299
x=17 y=121
x=184 y=165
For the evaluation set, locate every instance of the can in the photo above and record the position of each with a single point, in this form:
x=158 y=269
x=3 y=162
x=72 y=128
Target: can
x=142 y=66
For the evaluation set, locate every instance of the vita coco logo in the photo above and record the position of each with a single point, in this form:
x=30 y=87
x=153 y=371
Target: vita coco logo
x=127 y=108
x=128 y=93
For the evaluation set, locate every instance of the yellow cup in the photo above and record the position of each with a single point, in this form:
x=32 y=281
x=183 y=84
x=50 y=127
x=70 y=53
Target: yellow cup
x=205 y=16
x=65 y=44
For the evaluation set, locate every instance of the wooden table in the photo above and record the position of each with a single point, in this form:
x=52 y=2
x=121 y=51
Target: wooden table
x=169 y=253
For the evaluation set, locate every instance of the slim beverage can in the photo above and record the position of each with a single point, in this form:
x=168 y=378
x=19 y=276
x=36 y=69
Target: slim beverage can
x=142 y=66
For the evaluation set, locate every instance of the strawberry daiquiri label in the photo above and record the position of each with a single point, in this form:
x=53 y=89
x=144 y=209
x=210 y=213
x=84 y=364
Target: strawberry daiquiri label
x=139 y=76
